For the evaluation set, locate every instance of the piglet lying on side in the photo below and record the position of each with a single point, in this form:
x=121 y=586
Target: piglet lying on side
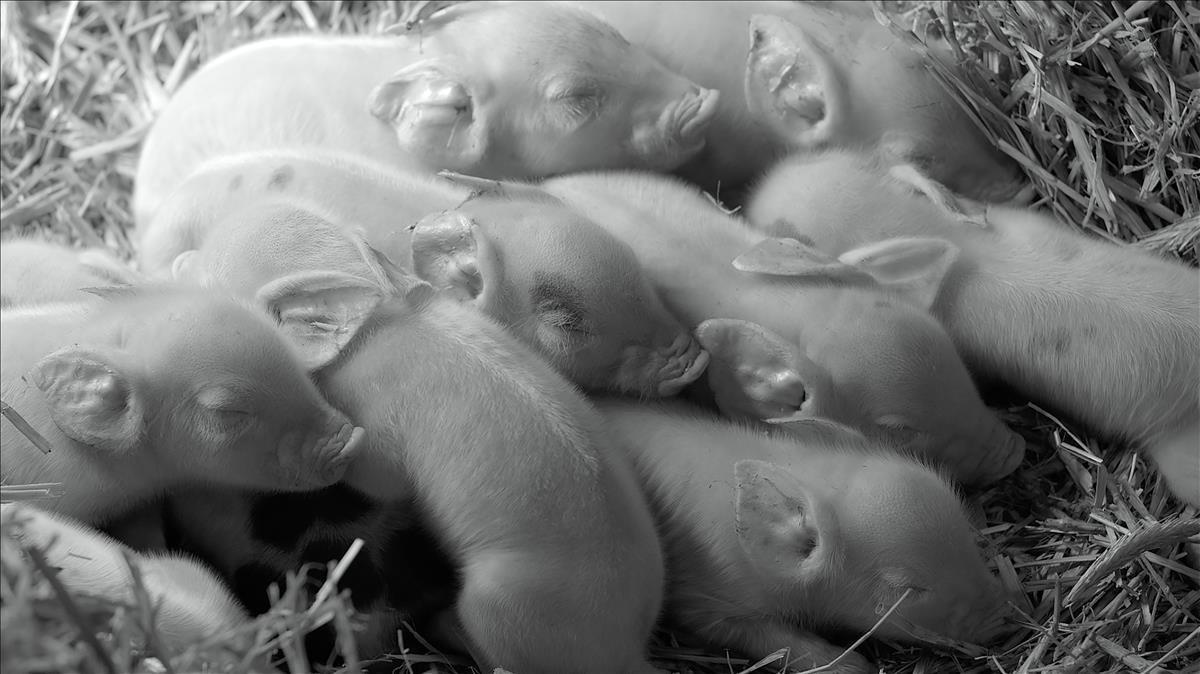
x=558 y=281
x=794 y=334
x=770 y=537
x=820 y=75
x=1108 y=334
x=509 y=91
x=162 y=385
x=192 y=605
x=561 y=566
x=34 y=272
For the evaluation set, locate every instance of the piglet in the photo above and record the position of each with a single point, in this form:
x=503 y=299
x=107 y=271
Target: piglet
x=192 y=604
x=158 y=386
x=772 y=537
x=561 y=568
x=36 y=272
x=794 y=334
x=1108 y=334
x=560 y=282
x=508 y=91
x=802 y=76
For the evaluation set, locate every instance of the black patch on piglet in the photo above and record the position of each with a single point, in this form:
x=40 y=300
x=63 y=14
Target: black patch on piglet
x=421 y=577
x=362 y=578
x=281 y=519
x=250 y=583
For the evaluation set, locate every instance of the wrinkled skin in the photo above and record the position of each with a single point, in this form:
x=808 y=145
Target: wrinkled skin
x=836 y=344
x=772 y=537
x=161 y=386
x=1032 y=303
x=505 y=92
x=555 y=279
x=35 y=272
x=818 y=75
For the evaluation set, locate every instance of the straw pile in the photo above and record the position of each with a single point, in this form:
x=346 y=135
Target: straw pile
x=1098 y=101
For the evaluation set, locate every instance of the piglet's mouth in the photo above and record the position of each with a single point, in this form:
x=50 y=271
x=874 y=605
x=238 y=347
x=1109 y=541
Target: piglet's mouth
x=690 y=118
x=336 y=454
x=689 y=365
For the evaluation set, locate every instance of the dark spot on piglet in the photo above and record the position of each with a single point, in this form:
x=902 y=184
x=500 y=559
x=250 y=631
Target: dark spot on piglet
x=361 y=578
x=1056 y=341
x=250 y=583
x=235 y=184
x=421 y=577
x=281 y=178
x=281 y=519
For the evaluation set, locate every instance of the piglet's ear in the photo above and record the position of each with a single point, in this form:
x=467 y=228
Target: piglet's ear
x=451 y=252
x=433 y=113
x=90 y=398
x=958 y=208
x=504 y=189
x=391 y=276
x=913 y=266
x=776 y=522
x=319 y=312
x=817 y=428
x=186 y=268
x=790 y=257
x=791 y=85
x=753 y=372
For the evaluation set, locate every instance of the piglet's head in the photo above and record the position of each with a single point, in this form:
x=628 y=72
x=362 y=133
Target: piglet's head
x=206 y=389
x=869 y=89
x=846 y=546
x=538 y=89
x=880 y=364
x=563 y=285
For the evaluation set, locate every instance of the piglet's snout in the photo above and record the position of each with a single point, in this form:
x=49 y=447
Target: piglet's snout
x=325 y=453
x=685 y=362
x=681 y=128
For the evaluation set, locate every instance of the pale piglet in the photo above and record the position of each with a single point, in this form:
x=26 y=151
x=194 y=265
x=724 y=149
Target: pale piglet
x=520 y=92
x=802 y=76
x=191 y=604
x=561 y=568
x=36 y=272
x=158 y=386
x=772 y=538
x=1108 y=334
x=558 y=281
x=793 y=334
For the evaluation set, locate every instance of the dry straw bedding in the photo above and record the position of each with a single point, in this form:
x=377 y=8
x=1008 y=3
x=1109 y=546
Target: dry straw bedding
x=1097 y=100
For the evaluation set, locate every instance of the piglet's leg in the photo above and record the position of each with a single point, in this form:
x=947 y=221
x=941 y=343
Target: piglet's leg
x=760 y=638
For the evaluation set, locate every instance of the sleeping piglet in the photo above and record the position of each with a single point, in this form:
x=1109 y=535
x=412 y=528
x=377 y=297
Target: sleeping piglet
x=520 y=92
x=771 y=537
x=802 y=76
x=560 y=563
x=558 y=281
x=1108 y=334
x=192 y=604
x=793 y=334
x=35 y=272
x=157 y=386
